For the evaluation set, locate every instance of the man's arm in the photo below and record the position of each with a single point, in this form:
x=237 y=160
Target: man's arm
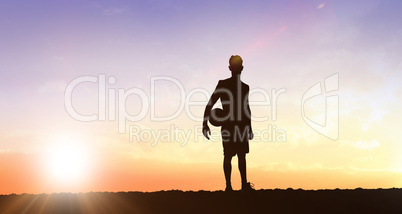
x=250 y=134
x=212 y=100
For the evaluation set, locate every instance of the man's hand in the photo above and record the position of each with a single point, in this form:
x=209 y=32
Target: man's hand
x=206 y=130
x=250 y=135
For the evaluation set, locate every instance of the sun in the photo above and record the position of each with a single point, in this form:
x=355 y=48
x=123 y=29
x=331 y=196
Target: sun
x=67 y=159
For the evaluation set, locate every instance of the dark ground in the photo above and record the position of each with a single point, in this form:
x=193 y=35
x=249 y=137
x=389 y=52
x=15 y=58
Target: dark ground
x=261 y=201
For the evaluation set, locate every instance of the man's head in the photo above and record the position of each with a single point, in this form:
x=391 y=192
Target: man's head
x=235 y=64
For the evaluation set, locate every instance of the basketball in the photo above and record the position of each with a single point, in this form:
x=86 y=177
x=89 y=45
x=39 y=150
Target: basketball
x=217 y=117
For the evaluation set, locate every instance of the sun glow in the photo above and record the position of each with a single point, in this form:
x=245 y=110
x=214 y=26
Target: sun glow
x=67 y=159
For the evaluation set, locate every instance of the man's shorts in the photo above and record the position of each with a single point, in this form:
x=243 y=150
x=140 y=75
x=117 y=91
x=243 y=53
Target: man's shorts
x=234 y=140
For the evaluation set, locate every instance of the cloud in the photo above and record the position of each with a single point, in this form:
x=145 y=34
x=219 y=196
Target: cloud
x=377 y=170
x=365 y=145
x=115 y=11
x=321 y=6
x=295 y=166
x=58 y=58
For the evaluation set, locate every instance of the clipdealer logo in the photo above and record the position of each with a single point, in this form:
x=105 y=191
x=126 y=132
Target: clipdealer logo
x=112 y=106
x=328 y=89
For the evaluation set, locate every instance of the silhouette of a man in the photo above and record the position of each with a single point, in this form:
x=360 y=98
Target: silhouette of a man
x=235 y=119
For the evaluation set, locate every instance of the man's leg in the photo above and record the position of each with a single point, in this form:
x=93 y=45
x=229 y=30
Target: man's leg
x=242 y=167
x=227 y=168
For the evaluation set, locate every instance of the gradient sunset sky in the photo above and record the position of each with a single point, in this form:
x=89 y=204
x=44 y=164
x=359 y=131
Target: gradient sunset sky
x=289 y=44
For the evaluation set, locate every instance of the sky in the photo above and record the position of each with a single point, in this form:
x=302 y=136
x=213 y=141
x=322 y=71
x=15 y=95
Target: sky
x=108 y=95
